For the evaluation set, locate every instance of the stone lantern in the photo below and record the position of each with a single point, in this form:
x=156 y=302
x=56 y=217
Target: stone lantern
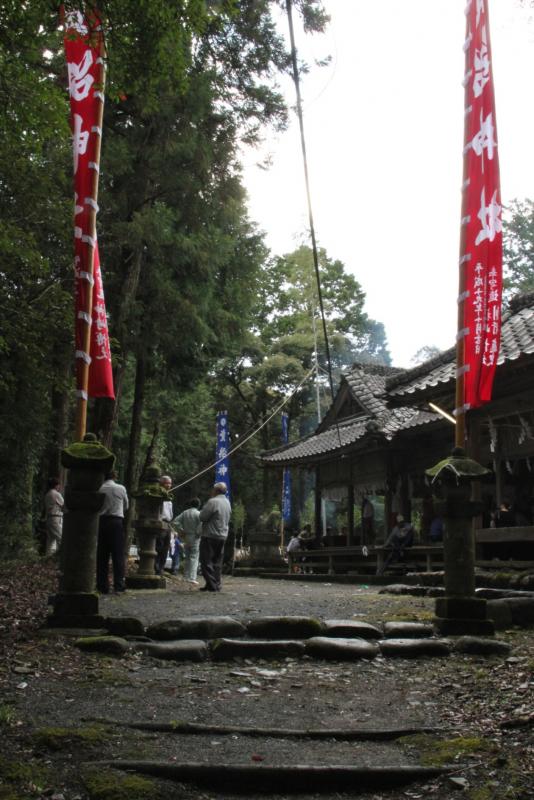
x=459 y=612
x=148 y=525
x=76 y=603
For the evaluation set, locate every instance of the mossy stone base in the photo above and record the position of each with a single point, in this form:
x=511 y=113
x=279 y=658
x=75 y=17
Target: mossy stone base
x=75 y=610
x=145 y=582
x=449 y=626
x=76 y=621
x=75 y=603
x=460 y=607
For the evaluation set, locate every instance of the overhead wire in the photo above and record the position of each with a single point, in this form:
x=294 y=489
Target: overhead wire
x=296 y=80
x=250 y=436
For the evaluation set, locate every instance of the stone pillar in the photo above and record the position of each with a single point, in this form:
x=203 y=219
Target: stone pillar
x=76 y=603
x=265 y=549
x=148 y=525
x=459 y=612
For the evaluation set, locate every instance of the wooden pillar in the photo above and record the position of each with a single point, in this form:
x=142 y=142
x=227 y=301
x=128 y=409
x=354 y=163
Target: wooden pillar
x=318 y=508
x=350 y=501
x=387 y=515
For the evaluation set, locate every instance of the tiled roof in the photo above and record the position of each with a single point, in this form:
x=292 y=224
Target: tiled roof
x=367 y=384
x=517 y=339
x=372 y=386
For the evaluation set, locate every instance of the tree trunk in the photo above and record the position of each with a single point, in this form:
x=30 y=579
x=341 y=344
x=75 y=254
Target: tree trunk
x=107 y=411
x=131 y=476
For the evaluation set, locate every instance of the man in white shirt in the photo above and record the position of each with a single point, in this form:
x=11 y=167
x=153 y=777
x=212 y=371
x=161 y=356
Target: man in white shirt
x=53 y=503
x=188 y=522
x=111 y=535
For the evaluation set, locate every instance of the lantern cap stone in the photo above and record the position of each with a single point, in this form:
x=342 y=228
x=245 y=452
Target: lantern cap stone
x=457 y=465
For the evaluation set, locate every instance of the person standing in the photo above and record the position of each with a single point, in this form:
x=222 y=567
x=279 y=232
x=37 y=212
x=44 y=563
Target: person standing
x=215 y=518
x=188 y=522
x=163 y=540
x=53 y=503
x=111 y=535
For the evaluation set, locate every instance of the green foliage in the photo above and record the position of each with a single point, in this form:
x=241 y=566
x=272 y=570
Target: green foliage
x=518 y=247
x=35 y=287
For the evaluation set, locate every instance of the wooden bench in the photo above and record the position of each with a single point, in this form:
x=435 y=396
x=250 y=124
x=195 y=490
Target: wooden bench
x=342 y=560
x=430 y=555
x=505 y=544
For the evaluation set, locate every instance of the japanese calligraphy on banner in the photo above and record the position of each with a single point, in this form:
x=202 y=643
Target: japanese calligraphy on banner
x=286 y=483
x=83 y=46
x=222 y=449
x=482 y=256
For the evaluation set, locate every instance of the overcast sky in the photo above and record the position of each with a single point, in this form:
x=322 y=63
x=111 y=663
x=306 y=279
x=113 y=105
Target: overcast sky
x=384 y=130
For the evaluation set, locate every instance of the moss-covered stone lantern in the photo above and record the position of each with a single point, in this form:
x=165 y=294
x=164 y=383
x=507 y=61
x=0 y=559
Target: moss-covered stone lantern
x=148 y=525
x=76 y=603
x=459 y=612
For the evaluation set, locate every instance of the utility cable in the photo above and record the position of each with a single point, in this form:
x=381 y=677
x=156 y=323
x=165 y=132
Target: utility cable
x=245 y=440
x=300 y=115
x=308 y=193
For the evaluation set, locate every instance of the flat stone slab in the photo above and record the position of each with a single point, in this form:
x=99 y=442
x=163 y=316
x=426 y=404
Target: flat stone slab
x=412 y=648
x=510 y=611
x=285 y=627
x=476 y=645
x=72 y=633
x=349 y=649
x=500 y=613
x=349 y=628
x=125 y=626
x=181 y=650
x=109 y=645
x=522 y=609
x=226 y=649
x=407 y=630
x=201 y=628
x=404 y=588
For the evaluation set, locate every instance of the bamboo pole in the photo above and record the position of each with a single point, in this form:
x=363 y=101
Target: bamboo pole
x=460 y=411
x=83 y=382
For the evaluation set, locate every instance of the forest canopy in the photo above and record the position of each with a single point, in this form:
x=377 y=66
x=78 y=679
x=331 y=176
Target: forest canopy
x=201 y=315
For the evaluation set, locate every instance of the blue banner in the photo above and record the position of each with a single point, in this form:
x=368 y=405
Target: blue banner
x=286 y=486
x=222 y=448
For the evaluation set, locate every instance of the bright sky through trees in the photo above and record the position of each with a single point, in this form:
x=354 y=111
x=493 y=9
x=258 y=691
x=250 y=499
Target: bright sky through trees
x=384 y=128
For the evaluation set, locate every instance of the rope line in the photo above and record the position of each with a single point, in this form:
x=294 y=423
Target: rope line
x=246 y=439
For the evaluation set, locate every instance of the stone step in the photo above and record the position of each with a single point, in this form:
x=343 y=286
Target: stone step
x=295 y=779
x=319 y=647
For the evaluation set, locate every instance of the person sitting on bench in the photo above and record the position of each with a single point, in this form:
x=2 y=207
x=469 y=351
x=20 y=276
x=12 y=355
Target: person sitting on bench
x=400 y=538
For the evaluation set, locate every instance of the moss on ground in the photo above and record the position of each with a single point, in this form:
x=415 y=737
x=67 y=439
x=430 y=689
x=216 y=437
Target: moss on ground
x=435 y=752
x=7 y=715
x=21 y=779
x=58 y=738
x=111 y=785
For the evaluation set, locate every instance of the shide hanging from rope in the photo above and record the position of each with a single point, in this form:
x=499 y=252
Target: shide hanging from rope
x=84 y=52
x=480 y=283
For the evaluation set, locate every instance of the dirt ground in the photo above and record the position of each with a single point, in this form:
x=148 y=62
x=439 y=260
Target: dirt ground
x=62 y=710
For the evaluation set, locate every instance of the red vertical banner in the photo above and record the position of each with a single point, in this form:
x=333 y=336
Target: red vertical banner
x=481 y=259
x=83 y=52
